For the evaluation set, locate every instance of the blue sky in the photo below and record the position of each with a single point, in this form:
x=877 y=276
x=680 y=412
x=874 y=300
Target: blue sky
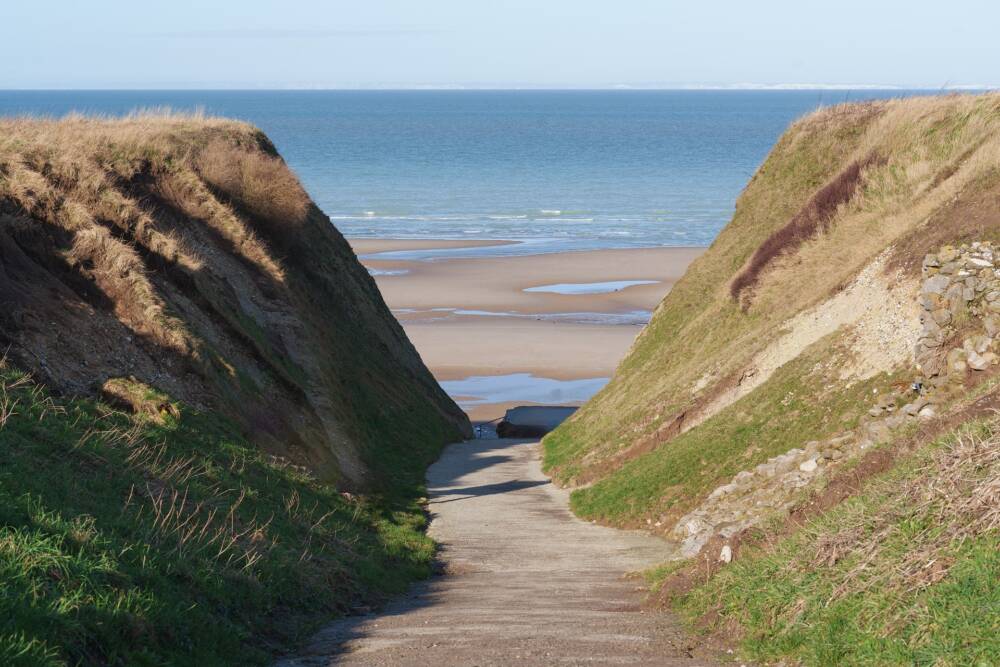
x=496 y=43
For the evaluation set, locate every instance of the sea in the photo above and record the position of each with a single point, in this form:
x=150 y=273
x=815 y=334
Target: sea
x=554 y=170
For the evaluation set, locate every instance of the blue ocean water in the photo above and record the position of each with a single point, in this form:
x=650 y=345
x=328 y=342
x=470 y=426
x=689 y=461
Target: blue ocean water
x=556 y=169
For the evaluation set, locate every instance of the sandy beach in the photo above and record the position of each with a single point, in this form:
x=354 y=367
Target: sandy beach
x=471 y=317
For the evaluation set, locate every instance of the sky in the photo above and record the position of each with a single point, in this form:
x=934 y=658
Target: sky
x=498 y=43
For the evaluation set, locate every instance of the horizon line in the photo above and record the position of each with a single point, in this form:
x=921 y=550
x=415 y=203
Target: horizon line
x=776 y=87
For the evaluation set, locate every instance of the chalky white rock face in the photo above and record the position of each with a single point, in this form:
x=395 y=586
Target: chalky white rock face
x=960 y=285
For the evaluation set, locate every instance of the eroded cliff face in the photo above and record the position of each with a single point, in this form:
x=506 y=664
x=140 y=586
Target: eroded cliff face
x=181 y=254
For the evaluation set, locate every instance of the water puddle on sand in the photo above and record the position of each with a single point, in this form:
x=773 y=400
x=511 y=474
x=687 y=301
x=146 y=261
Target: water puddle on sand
x=483 y=389
x=387 y=272
x=590 y=288
x=628 y=318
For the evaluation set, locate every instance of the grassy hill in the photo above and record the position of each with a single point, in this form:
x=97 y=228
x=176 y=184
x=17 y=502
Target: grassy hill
x=182 y=251
x=785 y=338
x=213 y=433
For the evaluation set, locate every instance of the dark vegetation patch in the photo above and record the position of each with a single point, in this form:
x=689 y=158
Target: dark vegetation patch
x=813 y=218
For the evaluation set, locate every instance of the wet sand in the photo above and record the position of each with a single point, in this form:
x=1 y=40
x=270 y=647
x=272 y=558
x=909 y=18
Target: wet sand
x=550 y=335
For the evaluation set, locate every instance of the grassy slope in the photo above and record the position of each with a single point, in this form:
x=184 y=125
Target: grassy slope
x=903 y=574
x=124 y=541
x=760 y=425
x=935 y=149
x=189 y=243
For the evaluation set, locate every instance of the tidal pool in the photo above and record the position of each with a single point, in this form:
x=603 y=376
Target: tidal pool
x=590 y=288
x=483 y=389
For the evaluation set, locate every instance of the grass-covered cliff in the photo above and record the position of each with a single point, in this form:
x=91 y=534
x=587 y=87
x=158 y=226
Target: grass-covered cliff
x=775 y=381
x=184 y=253
x=213 y=433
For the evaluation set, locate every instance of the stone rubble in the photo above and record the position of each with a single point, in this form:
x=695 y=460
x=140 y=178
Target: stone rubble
x=960 y=292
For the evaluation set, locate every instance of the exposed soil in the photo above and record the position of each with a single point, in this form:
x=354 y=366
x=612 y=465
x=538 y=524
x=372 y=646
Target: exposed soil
x=525 y=582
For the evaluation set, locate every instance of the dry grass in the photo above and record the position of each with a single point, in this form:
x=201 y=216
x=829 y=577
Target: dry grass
x=260 y=184
x=954 y=496
x=813 y=218
x=79 y=175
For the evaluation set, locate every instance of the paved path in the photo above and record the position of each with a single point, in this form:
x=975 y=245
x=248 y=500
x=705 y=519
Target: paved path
x=526 y=582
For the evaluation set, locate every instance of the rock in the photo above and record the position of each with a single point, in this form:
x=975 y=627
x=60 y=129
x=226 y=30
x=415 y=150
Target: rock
x=941 y=317
x=947 y=254
x=930 y=302
x=894 y=421
x=879 y=431
x=726 y=555
x=992 y=325
x=766 y=469
x=978 y=343
x=809 y=465
x=695 y=525
x=931 y=261
x=930 y=365
x=975 y=261
x=832 y=454
x=980 y=362
x=936 y=285
x=841 y=440
x=926 y=412
x=956 y=360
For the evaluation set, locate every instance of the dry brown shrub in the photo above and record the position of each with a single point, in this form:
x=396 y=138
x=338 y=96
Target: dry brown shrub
x=812 y=218
x=260 y=184
x=955 y=494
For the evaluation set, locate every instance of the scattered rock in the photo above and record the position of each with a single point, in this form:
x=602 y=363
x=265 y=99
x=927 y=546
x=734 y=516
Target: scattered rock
x=726 y=555
x=936 y=285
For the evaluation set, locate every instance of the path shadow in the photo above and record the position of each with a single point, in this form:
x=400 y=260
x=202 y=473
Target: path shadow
x=488 y=490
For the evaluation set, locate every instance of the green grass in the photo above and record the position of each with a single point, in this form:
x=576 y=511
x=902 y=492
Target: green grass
x=125 y=542
x=864 y=583
x=802 y=401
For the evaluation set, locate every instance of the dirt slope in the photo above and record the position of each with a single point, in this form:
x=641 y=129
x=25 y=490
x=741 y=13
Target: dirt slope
x=181 y=254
